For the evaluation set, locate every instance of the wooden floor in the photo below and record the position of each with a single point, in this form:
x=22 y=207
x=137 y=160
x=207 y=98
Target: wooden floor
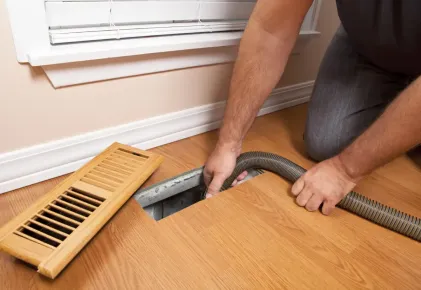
x=252 y=236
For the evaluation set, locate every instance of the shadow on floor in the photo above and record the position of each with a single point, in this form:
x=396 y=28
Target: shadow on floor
x=415 y=156
x=294 y=119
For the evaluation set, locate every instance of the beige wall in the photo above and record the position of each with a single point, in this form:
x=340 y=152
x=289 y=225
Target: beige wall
x=33 y=112
x=304 y=67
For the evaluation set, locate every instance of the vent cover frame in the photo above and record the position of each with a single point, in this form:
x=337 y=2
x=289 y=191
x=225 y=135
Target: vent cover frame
x=50 y=232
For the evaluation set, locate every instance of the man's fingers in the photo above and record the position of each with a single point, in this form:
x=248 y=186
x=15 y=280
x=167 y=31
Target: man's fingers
x=328 y=207
x=206 y=177
x=215 y=185
x=242 y=176
x=239 y=178
x=314 y=202
x=297 y=187
x=304 y=196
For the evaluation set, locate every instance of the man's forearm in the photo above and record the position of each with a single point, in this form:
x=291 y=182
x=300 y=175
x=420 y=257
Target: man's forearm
x=263 y=54
x=396 y=131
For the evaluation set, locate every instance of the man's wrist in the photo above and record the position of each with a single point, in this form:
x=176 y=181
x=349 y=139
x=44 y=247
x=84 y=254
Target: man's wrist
x=347 y=163
x=231 y=146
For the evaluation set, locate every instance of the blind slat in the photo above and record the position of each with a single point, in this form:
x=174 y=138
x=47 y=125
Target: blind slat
x=131 y=31
x=84 y=14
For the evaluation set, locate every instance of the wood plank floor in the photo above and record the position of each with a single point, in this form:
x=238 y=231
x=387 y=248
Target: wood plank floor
x=252 y=236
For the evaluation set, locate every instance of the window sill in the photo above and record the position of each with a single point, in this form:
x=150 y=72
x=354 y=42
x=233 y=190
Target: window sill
x=110 y=49
x=128 y=47
x=90 y=62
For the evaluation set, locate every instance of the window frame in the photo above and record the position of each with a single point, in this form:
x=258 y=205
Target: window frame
x=32 y=43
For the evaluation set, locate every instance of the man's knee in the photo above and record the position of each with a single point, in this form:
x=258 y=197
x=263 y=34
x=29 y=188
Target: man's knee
x=322 y=146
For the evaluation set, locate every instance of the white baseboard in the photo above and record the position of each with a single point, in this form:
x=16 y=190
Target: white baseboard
x=41 y=162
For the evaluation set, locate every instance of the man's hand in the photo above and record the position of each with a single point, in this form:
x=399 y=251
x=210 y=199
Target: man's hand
x=327 y=183
x=219 y=167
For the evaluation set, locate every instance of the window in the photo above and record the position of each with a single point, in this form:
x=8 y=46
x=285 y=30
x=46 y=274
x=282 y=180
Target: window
x=53 y=32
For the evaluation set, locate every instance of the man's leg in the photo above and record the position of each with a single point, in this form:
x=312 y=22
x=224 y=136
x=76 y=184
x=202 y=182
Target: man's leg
x=349 y=94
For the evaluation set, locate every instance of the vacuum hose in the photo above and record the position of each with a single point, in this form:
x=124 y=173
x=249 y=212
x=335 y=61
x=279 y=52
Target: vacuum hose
x=356 y=203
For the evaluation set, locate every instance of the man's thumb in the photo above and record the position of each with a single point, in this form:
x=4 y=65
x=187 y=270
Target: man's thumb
x=215 y=185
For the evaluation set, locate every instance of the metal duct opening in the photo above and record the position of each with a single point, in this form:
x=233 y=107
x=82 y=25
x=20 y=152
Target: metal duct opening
x=172 y=195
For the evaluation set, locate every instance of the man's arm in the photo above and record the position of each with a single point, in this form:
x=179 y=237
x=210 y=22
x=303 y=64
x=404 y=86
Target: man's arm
x=263 y=53
x=396 y=131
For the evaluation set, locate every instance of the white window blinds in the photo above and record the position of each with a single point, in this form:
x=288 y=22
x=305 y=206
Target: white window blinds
x=93 y=20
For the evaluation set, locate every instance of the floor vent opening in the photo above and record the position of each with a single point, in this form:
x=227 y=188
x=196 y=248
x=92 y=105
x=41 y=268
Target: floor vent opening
x=181 y=192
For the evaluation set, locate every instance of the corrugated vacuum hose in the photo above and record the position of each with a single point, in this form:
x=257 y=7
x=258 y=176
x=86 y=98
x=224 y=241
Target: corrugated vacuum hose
x=353 y=202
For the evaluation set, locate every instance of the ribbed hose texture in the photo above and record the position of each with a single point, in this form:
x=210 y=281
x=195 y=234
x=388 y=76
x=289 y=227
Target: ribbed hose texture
x=353 y=202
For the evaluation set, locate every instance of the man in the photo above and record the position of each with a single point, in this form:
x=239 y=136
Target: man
x=365 y=109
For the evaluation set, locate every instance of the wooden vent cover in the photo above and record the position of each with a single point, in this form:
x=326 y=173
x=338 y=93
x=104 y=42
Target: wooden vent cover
x=52 y=231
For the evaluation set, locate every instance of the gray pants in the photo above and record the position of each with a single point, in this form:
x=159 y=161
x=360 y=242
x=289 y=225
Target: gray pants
x=348 y=96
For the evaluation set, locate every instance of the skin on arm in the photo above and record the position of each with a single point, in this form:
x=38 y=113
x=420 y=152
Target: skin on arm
x=395 y=132
x=264 y=50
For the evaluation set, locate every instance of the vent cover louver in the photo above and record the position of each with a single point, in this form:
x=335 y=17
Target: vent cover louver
x=54 y=229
